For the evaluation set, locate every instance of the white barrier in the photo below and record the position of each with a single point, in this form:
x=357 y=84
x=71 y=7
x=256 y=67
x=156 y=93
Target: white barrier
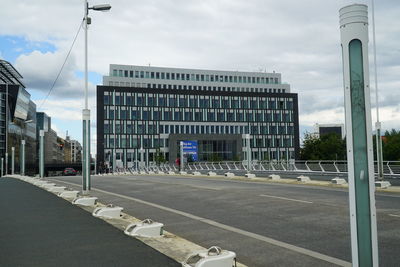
x=109 y=212
x=146 y=228
x=85 y=201
x=213 y=257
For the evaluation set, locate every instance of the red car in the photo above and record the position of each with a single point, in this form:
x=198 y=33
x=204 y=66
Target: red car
x=69 y=171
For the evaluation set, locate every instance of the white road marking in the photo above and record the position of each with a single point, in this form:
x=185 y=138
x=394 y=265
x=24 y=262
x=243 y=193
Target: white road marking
x=271 y=241
x=290 y=199
x=394 y=215
x=188 y=185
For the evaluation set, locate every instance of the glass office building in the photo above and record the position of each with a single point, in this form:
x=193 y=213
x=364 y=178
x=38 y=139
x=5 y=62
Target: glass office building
x=146 y=111
x=17 y=117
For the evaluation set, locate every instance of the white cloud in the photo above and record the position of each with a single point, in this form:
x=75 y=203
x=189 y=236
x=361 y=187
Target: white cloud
x=68 y=110
x=300 y=39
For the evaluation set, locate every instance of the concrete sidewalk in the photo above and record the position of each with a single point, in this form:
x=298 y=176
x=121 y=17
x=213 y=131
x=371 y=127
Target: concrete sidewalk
x=39 y=229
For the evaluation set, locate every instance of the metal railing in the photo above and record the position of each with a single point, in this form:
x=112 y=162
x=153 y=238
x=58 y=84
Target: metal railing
x=391 y=168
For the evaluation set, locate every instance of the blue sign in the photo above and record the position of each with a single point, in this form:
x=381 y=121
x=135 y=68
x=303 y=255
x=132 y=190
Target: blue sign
x=190 y=150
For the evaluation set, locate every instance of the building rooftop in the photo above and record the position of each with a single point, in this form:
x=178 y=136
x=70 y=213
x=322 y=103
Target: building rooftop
x=9 y=75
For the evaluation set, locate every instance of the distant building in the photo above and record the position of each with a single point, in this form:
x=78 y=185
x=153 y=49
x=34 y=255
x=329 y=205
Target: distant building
x=54 y=146
x=144 y=111
x=321 y=129
x=76 y=151
x=17 y=118
x=67 y=148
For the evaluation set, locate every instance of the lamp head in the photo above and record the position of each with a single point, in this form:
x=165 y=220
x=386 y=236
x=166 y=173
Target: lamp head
x=103 y=7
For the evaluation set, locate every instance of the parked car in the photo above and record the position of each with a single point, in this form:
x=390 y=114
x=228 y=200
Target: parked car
x=69 y=171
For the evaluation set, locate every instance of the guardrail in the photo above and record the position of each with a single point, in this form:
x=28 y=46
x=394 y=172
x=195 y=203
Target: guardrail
x=390 y=168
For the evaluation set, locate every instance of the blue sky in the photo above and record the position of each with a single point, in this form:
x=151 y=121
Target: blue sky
x=12 y=47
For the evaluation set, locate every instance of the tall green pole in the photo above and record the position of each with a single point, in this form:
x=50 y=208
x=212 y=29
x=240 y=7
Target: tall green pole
x=12 y=160
x=22 y=157
x=41 y=154
x=354 y=41
x=379 y=155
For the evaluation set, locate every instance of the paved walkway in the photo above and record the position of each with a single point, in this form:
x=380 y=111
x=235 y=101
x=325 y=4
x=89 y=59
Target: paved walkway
x=39 y=229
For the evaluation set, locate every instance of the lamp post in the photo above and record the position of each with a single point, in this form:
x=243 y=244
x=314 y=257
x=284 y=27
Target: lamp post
x=141 y=157
x=23 y=148
x=363 y=225
x=41 y=153
x=379 y=152
x=6 y=154
x=12 y=159
x=182 y=163
x=86 y=111
x=114 y=154
x=248 y=152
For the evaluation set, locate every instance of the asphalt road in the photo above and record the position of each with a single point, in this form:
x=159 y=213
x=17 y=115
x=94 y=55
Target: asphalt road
x=266 y=224
x=38 y=228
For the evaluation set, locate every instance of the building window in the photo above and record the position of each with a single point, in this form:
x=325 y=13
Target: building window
x=106 y=100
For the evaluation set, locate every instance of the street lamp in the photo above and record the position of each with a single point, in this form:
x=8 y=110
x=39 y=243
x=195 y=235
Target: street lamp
x=379 y=155
x=141 y=157
x=86 y=111
x=248 y=153
x=23 y=148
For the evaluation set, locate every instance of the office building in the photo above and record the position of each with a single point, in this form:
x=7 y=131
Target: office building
x=322 y=129
x=17 y=118
x=76 y=151
x=143 y=112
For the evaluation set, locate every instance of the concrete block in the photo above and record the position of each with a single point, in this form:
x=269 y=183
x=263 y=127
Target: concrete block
x=211 y=174
x=196 y=173
x=47 y=185
x=142 y=172
x=110 y=212
x=171 y=173
x=250 y=175
x=183 y=173
x=85 y=201
x=56 y=189
x=146 y=228
x=229 y=174
x=160 y=172
x=382 y=184
x=68 y=194
x=274 y=177
x=151 y=172
x=303 y=179
x=213 y=257
x=338 y=180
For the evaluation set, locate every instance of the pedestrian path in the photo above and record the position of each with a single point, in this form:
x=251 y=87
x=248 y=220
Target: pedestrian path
x=39 y=229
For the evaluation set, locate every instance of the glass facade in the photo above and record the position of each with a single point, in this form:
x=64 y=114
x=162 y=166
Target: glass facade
x=133 y=118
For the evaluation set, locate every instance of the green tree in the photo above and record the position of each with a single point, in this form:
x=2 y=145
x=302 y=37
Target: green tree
x=215 y=157
x=391 y=145
x=327 y=147
x=159 y=157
